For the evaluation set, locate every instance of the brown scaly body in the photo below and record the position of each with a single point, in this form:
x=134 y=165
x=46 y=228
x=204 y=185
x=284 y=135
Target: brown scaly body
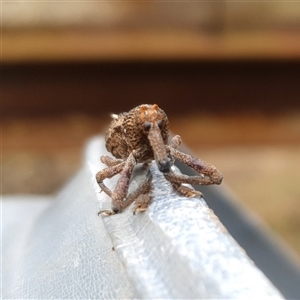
x=140 y=136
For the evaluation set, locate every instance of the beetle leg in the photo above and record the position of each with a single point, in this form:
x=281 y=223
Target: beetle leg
x=121 y=189
x=110 y=161
x=143 y=199
x=209 y=174
x=108 y=172
x=175 y=142
x=184 y=190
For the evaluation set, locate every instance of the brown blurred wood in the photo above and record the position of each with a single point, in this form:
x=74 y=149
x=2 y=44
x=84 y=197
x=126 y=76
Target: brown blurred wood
x=195 y=86
x=146 y=44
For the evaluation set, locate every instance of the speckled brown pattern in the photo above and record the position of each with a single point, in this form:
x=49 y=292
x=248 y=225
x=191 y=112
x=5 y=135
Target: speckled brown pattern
x=140 y=136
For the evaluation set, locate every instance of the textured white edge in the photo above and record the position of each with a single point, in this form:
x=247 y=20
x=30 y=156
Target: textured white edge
x=178 y=248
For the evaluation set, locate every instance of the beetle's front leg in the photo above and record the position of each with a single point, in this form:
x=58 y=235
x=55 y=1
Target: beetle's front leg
x=120 y=192
x=141 y=196
x=108 y=172
x=209 y=173
x=110 y=161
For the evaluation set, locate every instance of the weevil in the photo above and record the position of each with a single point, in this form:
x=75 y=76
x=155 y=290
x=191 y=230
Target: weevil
x=141 y=136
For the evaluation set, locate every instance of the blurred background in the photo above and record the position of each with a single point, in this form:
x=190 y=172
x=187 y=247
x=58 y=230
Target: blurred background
x=226 y=73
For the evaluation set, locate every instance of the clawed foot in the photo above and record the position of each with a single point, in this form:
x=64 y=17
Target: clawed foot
x=142 y=202
x=137 y=208
x=140 y=208
x=188 y=192
x=108 y=212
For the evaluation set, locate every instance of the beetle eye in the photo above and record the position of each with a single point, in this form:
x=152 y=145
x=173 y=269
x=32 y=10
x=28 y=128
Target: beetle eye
x=159 y=124
x=147 y=126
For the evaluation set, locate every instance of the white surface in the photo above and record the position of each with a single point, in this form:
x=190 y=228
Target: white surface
x=60 y=249
x=178 y=248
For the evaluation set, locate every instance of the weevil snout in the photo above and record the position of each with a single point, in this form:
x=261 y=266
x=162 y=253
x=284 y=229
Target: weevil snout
x=153 y=124
x=164 y=165
x=160 y=154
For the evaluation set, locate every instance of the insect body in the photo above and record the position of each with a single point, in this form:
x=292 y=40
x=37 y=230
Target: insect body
x=141 y=136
